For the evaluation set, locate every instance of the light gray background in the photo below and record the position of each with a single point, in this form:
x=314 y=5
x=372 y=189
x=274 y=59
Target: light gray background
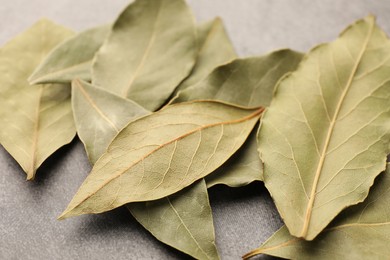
x=244 y=217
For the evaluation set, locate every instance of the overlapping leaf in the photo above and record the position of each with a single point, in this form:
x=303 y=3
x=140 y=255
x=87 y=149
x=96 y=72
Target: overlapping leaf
x=147 y=56
x=183 y=220
x=72 y=59
x=100 y=115
x=245 y=82
x=325 y=136
x=35 y=120
x=241 y=169
x=214 y=49
x=360 y=232
x=158 y=155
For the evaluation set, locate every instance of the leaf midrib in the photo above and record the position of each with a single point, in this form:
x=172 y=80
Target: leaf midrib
x=31 y=171
x=78 y=84
x=294 y=240
x=36 y=80
x=146 y=53
x=185 y=226
x=253 y=115
x=34 y=145
x=309 y=208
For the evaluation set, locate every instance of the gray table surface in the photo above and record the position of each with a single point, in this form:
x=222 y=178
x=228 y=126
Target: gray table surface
x=243 y=217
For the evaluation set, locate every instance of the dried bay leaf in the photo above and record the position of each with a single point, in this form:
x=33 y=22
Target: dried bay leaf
x=325 y=136
x=241 y=169
x=359 y=232
x=214 y=49
x=35 y=120
x=183 y=220
x=151 y=49
x=72 y=59
x=160 y=154
x=245 y=82
x=99 y=116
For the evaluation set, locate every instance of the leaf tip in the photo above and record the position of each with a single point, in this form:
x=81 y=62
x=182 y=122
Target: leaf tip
x=64 y=215
x=30 y=175
x=32 y=79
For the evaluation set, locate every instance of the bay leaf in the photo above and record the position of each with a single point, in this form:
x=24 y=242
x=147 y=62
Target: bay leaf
x=242 y=168
x=151 y=49
x=214 y=49
x=35 y=120
x=99 y=116
x=359 y=232
x=183 y=220
x=245 y=82
x=160 y=154
x=325 y=137
x=71 y=59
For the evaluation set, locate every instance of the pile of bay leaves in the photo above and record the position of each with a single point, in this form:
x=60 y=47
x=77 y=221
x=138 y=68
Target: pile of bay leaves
x=166 y=110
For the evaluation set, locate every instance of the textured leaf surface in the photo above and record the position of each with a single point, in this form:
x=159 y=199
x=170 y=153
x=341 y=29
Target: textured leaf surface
x=182 y=220
x=325 y=136
x=246 y=82
x=359 y=232
x=241 y=169
x=99 y=116
x=160 y=154
x=151 y=49
x=214 y=49
x=71 y=59
x=35 y=120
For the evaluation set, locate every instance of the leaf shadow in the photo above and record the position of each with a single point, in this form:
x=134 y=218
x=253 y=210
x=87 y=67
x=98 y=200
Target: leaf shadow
x=121 y=225
x=226 y=194
x=53 y=164
x=244 y=204
x=46 y=171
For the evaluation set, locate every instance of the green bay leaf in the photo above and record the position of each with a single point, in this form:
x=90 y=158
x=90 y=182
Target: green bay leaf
x=246 y=82
x=35 y=120
x=359 y=232
x=214 y=49
x=160 y=154
x=71 y=59
x=183 y=220
x=326 y=135
x=151 y=49
x=99 y=116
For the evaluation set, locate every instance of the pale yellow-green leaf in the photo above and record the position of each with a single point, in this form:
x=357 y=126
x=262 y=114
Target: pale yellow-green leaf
x=151 y=49
x=360 y=232
x=214 y=49
x=325 y=136
x=35 y=120
x=160 y=154
x=99 y=116
x=183 y=220
x=71 y=59
x=245 y=82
